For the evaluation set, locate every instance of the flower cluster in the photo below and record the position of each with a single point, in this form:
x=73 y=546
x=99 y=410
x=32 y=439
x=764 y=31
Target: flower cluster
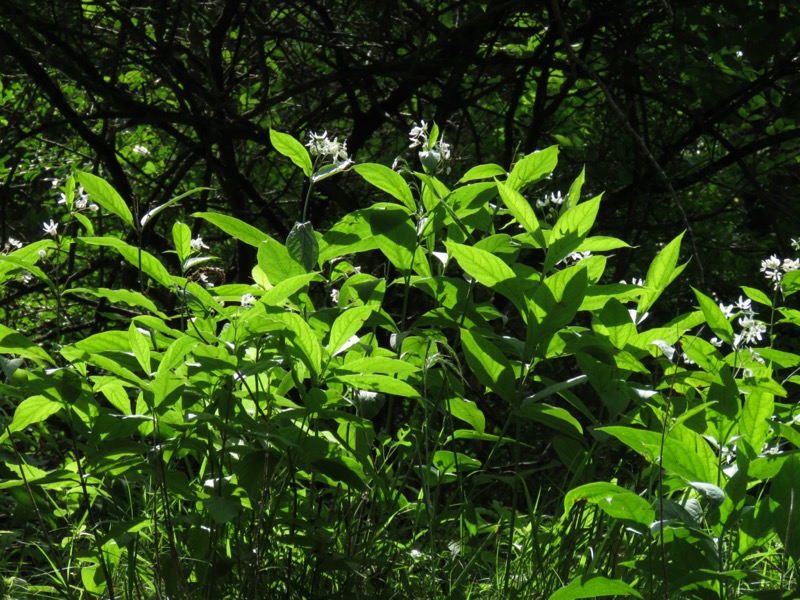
x=81 y=201
x=431 y=155
x=550 y=205
x=321 y=146
x=774 y=268
x=11 y=245
x=752 y=329
x=575 y=257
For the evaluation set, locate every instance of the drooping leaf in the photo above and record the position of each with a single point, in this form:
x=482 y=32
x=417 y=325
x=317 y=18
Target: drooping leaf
x=467 y=411
x=30 y=411
x=150 y=214
x=148 y=263
x=302 y=245
x=106 y=196
x=129 y=297
x=292 y=149
x=715 y=317
x=13 y=342
x=244 y=232
x=489 y=365
x=378 y=383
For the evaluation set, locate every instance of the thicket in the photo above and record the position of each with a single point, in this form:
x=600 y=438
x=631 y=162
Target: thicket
x=444 y=394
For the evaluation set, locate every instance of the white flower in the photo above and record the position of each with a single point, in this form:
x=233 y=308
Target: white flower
x=62 y=198
x=197 y=244
x=576 y=257
x=50 y=228
x=745 y=305
x=321 y=145
x=752 y=331
x=42 y=253
x=556 y=199
x=83 y=199
x=140 y=150
x=796 y=244
x=14 y=243
x=443 y=148
x=790 y=265
x=248 y=300
x=418 y=135
x=335 y=296
x=94 y=207
x=27 y=277
x=771 y=269
x=715 y=341
x=727 y=310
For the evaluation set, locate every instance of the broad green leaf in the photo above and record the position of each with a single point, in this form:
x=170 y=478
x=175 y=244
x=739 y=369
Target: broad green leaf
x=483 y=266
x=686 y=453
x=488 y=171
x=394 y=233
x=13 y=342
x=533 y=167
x=302 y=245
x=140 y=346
x=574 y=194
x=594 y=586
x=662 y=271
x=754 y=424
x=276 y=262
x=757 y=296
x=148 y=263
x=34 y=409
x=292 y=149
x=305 y=343
x=553 y=305
x=28 y=254
x=790 y=283
x=150 y=214
x=601 y=243
x=234 y=227
x=378 y=383
x=128 y=297
x=346 y=325
x=614 y=500
x=377 y=364
x=553 y=417
x=489 y=365
x=715 y=317
x=106 y=196
x=288 y=287
x=351 y=234
x=784 y=493
x=467 y=411
x=182 y=238
x=569 y=231
x=521 y=209
x=387 y=180
x=176 y=352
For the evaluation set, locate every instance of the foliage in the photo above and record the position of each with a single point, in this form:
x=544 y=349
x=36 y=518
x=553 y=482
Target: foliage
x=442 y=395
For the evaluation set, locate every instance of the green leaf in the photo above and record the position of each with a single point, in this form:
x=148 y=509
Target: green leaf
x=154 y=211
x=483 y=172
x=182 y=238
x=140 y=346
x=483 y=266
x=302 y=245
x=387 y=180
x=292 y=149
x=521 y=209
x=754 y=424
x=288 y=287
x=175 y=354
x=533 y=167
x=13 y=342
x=351 y=234
x=276 y=262
x=593 y=586
x=303 y=341
x=234 y=227
x=128 y=297
x=757 y=296
x=784 y=493
x=346 y=326
x=574 y=194
x=106 y=196
x=34 y=409
x=467 y=411
x=663 y=271
x=394 y=233
x=570 y=230
x=615 y=501
x=148 y=263
x=553 y=417
x=715 y=317
x=489 y=365
x=378 y=383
